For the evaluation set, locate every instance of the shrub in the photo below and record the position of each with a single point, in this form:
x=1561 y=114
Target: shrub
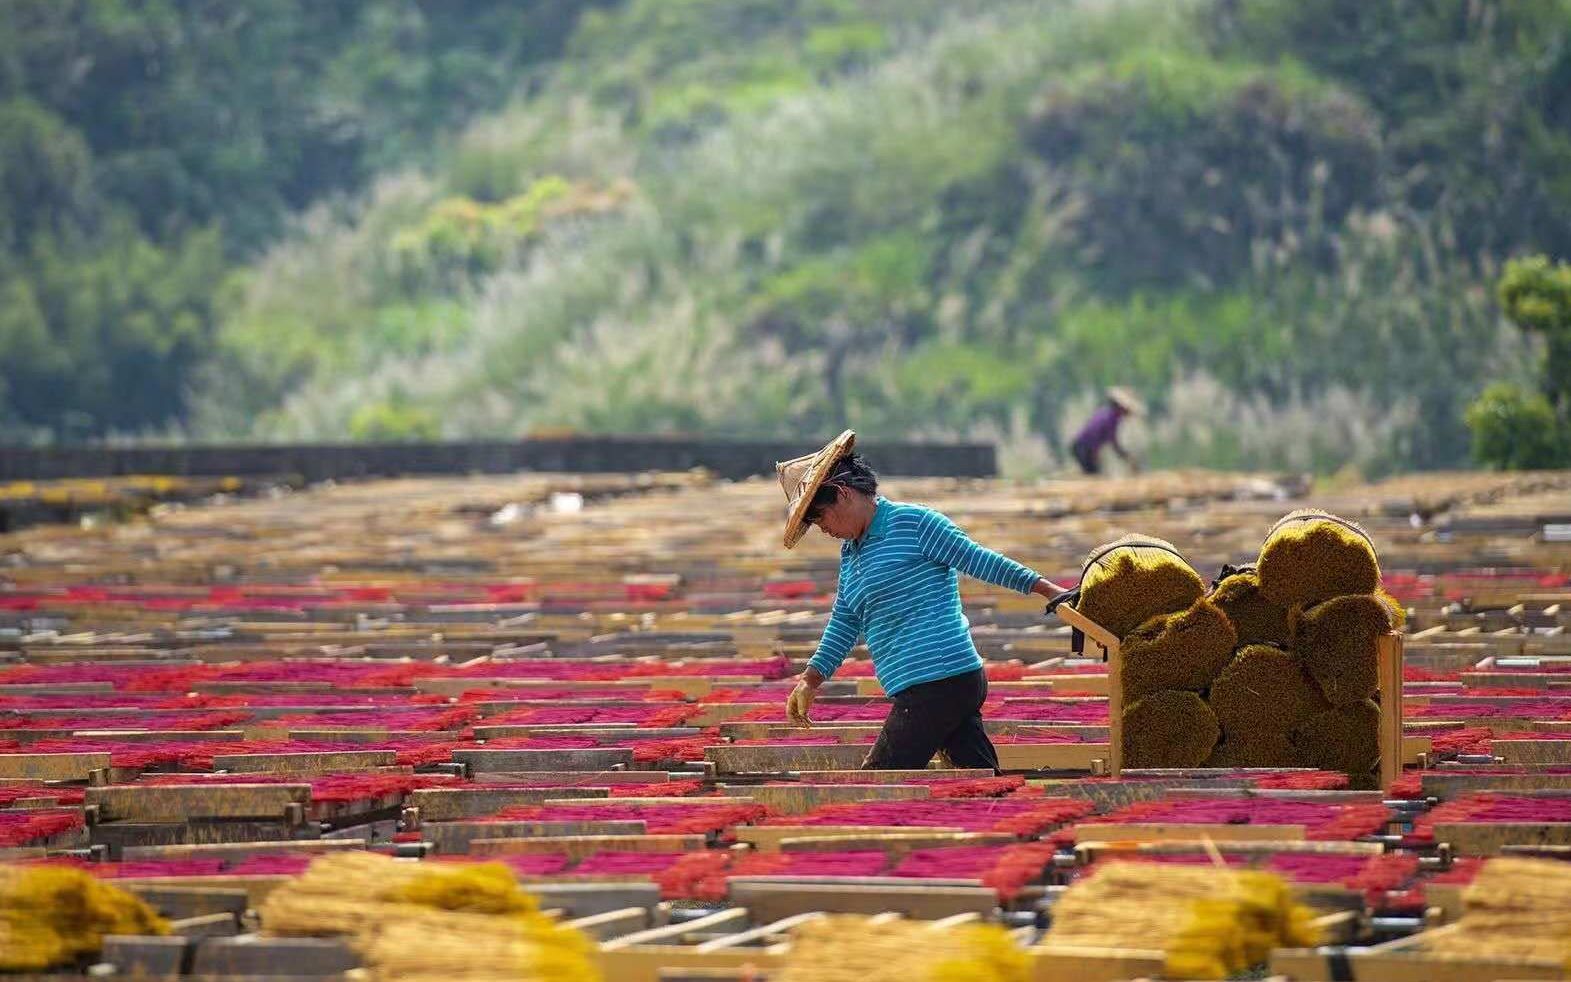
x=1514 y=429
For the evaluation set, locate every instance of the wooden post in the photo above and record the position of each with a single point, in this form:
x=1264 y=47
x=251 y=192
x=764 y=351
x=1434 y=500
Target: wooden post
x=1389 y=648
x=1109 y=643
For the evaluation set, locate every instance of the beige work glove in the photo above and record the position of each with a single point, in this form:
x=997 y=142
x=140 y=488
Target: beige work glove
x=800 y=701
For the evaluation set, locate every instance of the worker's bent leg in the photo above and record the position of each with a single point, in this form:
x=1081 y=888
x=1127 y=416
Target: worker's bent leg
x=907 y=741
x=968 y=745
x=926 y=717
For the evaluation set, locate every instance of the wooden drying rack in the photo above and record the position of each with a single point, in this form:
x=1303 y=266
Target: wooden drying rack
x=1389 y=652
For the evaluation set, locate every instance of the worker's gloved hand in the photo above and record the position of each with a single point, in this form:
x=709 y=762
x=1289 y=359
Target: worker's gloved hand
x=800 y=701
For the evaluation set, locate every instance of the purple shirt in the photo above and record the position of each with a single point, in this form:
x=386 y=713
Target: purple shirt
x=1101 y=429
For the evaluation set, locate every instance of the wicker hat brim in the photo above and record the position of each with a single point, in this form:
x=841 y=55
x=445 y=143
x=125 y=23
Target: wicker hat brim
x=812 y=479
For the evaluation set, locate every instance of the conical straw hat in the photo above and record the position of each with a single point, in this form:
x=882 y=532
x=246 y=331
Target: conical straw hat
x=1126 y=398
x=801 y=478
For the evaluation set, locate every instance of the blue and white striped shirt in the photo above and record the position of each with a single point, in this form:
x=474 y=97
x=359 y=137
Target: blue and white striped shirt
x=898 y=588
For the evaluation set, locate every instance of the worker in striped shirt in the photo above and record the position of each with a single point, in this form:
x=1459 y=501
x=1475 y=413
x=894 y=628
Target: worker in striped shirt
x=898 y=589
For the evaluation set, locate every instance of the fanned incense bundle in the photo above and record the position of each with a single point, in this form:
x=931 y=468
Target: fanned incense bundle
x=846 y=948
x=438 y=945
x=1337 y=641
x=1310 y=556
x=1169 y=729
x=413 y=920
x=1256 y=619
x=53 y=915
x=1264 y=691
x=1514 y=908
x=1185 y=650
x=1128 y=581
x=1209 y=922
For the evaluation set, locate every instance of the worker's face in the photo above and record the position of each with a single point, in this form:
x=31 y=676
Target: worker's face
x=835 y=519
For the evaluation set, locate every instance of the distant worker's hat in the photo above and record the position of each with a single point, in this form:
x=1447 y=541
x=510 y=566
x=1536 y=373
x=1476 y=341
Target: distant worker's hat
x=1126 y=400
x=801 y=478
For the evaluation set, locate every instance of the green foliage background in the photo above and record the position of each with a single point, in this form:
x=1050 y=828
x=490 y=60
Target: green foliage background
x=1281 y=220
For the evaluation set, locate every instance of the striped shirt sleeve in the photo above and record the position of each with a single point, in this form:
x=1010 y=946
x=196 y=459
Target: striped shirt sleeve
x=841 y=634
x=942 y=541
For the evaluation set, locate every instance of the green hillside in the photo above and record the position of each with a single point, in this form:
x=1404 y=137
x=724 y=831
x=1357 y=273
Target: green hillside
x=1282 y=220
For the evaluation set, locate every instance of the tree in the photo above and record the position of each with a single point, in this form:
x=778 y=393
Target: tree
x=1512 y=426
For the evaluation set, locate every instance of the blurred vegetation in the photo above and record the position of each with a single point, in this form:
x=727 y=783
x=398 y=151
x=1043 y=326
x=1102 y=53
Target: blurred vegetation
x=1517 y=426
x=1282 y=221
x=150 y=147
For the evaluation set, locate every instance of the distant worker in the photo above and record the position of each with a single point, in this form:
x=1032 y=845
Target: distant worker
x=898 y=589
x=1101 y=430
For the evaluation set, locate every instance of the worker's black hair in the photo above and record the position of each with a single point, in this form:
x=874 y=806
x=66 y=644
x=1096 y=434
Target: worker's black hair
x=850 y=472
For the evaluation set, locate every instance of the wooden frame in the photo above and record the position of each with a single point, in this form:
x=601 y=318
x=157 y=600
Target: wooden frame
x=1389 y=650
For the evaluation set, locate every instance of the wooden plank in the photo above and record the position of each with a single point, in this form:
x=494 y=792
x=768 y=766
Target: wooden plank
x=899 y=776
x=322 y=762
x=456 y=837
x=1533 y=751
x=653 y=963
x=1163 y=832
x=772 y=900
x=448 y=804
x=600 y=759
x=234 y=851
x=1489 y=838
x=852 y=732
x=1392 y=749
x=260 y=956
x=612 y=922
x=1097 y=685
x=1389 y=963
x=1441 y=785
x=800 y=798
x=180 y=803
x=896 y=844
x=1109 y=643
x=1054 y=756
x=577 y=779
x=155 y=736
x=783 y=759
x=1067 y=963
x=579 y=846
x=51 y=767
x=767 y=838
x=674 y=932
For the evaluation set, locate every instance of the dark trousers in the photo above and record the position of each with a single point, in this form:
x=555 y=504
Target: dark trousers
x=942 y=715
x=1087 y=458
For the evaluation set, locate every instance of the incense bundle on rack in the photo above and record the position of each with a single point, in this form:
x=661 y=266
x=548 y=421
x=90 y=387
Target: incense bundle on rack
x=1182 y=650
x=1514 y=908
x=1169 y=729
x=849 y=948
x=1256 y=619
x=1128 y=581
x=1310 y=556
x=1210 y=922
x=409 y=919
x=52 y=915
x=20 y=828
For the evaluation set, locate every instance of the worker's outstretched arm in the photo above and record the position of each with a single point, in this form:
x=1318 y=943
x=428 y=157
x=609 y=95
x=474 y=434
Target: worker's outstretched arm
x=1128 y=458
x=841 y=634
x=943 y=542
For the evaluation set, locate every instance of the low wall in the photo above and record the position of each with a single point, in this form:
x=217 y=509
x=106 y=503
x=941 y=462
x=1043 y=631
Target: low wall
x=587 y=455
